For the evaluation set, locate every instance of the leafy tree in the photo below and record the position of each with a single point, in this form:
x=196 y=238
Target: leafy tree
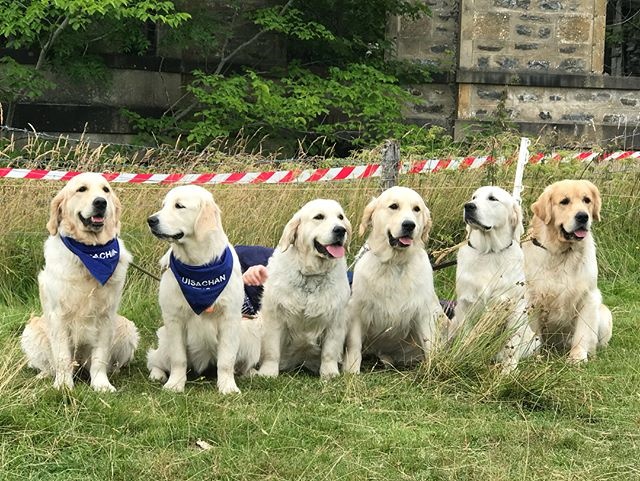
x=41 y=24
x=337 y=84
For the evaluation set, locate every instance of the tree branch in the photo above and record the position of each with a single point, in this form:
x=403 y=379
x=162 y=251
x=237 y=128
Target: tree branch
x=243 y=45
x=52 y=38
x=189 y=108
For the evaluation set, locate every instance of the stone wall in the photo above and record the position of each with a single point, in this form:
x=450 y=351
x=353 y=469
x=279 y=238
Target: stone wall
x=539 y=61
x=431 y=41
x=540 y=35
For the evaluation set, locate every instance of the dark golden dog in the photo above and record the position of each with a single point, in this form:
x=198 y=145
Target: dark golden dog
x=562 y=272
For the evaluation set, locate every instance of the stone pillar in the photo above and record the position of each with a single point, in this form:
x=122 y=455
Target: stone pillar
x=533 y=35
x=431 y=41
x=542 y=61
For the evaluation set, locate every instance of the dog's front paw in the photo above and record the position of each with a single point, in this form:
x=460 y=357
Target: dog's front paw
x=158 y=375
x=102 y=386
x=329 y=371
x=175 y=385
x=269 y=369
x=577 y=357
x=228 y=387
x=507 y=366
x=63 y=380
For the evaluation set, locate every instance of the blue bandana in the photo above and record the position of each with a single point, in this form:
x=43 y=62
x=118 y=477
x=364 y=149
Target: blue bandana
x=202 y=285
x=100 y=260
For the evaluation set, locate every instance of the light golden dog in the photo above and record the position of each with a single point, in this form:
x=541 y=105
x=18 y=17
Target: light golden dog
x=562 y=272
x=80 y=326
x=197 y=335
x=394 y=312
x=306 y=293
x=490 y=272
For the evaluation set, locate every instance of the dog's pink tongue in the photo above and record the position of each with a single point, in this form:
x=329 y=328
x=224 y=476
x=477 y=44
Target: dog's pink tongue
x=406 y=241
x=96 y=218
x=335 y=250
x=580 y=233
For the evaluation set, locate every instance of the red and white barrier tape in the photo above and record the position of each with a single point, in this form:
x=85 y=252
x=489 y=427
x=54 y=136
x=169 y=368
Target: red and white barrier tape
x=301 y=176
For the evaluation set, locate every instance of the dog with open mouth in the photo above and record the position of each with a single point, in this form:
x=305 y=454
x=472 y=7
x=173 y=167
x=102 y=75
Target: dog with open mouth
x=490 y=273
x=562 y=271
x=306 y=294
x=81 y=286
x=201 y=295
x=393 y=312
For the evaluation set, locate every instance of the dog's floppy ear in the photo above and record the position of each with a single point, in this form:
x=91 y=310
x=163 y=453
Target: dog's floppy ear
x=596 y=199
x=347 y=225
x=365 y=222
x=55 y=213
x=117 y=212
x=208 y=219
x=542 y=207
x=290 y=233
x=515 y=220
x=426 y=222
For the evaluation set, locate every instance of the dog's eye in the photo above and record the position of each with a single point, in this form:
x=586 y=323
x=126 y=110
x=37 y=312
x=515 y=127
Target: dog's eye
x=492 y=198
x=586 y=200
x=105 y=189
x=82 y=189
x=340 y=216
x=416 y=208
x=393 y=206
x=565 y=201
x=179 y=205
x=319 y=217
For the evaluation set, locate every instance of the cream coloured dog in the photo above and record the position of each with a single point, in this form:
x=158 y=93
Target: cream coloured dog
x=201 y=295
x=394 y=312
x=80 y=288
x=490 y=271
x=562 y=271
x=306 y=293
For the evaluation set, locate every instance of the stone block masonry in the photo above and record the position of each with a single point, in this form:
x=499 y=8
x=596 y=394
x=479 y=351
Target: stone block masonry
x=540 y=61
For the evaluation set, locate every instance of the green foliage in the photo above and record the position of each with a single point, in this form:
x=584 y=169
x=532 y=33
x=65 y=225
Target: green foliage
x=25 y=24
x=350 y=95
x=359 y=104
x=291 y=23
x=358 y=28
x=14 y=76
x=42 y=25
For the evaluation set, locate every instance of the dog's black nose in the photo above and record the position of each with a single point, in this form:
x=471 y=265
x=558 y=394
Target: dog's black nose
x=408 y=226
x=339 y=231
x=582 y=217
x=153 y=221
x=470 y=207
x=100 y=203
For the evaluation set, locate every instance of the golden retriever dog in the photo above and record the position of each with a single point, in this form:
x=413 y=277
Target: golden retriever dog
x=201 y=295
x=562 y=272
x=490 y=272
x=80 y=288
x=306 y=293
x=394 y=311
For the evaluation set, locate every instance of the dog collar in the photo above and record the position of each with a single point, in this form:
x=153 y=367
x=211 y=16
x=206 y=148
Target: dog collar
x=202 y=285
x=536 y=243
x=495 y=252
x=100 y=260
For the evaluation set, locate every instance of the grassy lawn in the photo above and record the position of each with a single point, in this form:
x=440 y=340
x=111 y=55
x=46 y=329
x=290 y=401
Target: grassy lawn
x=548 y=421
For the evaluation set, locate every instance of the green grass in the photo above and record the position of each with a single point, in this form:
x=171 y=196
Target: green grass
x=549 y=421
x=577 y=422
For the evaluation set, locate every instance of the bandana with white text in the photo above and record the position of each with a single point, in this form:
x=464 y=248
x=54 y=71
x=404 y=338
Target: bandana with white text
x=202 y=285
x=101 y=260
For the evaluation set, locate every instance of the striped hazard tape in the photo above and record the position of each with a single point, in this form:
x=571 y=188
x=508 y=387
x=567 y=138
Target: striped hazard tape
x=310 y=175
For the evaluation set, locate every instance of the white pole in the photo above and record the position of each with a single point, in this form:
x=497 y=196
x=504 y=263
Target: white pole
x=523 y=158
